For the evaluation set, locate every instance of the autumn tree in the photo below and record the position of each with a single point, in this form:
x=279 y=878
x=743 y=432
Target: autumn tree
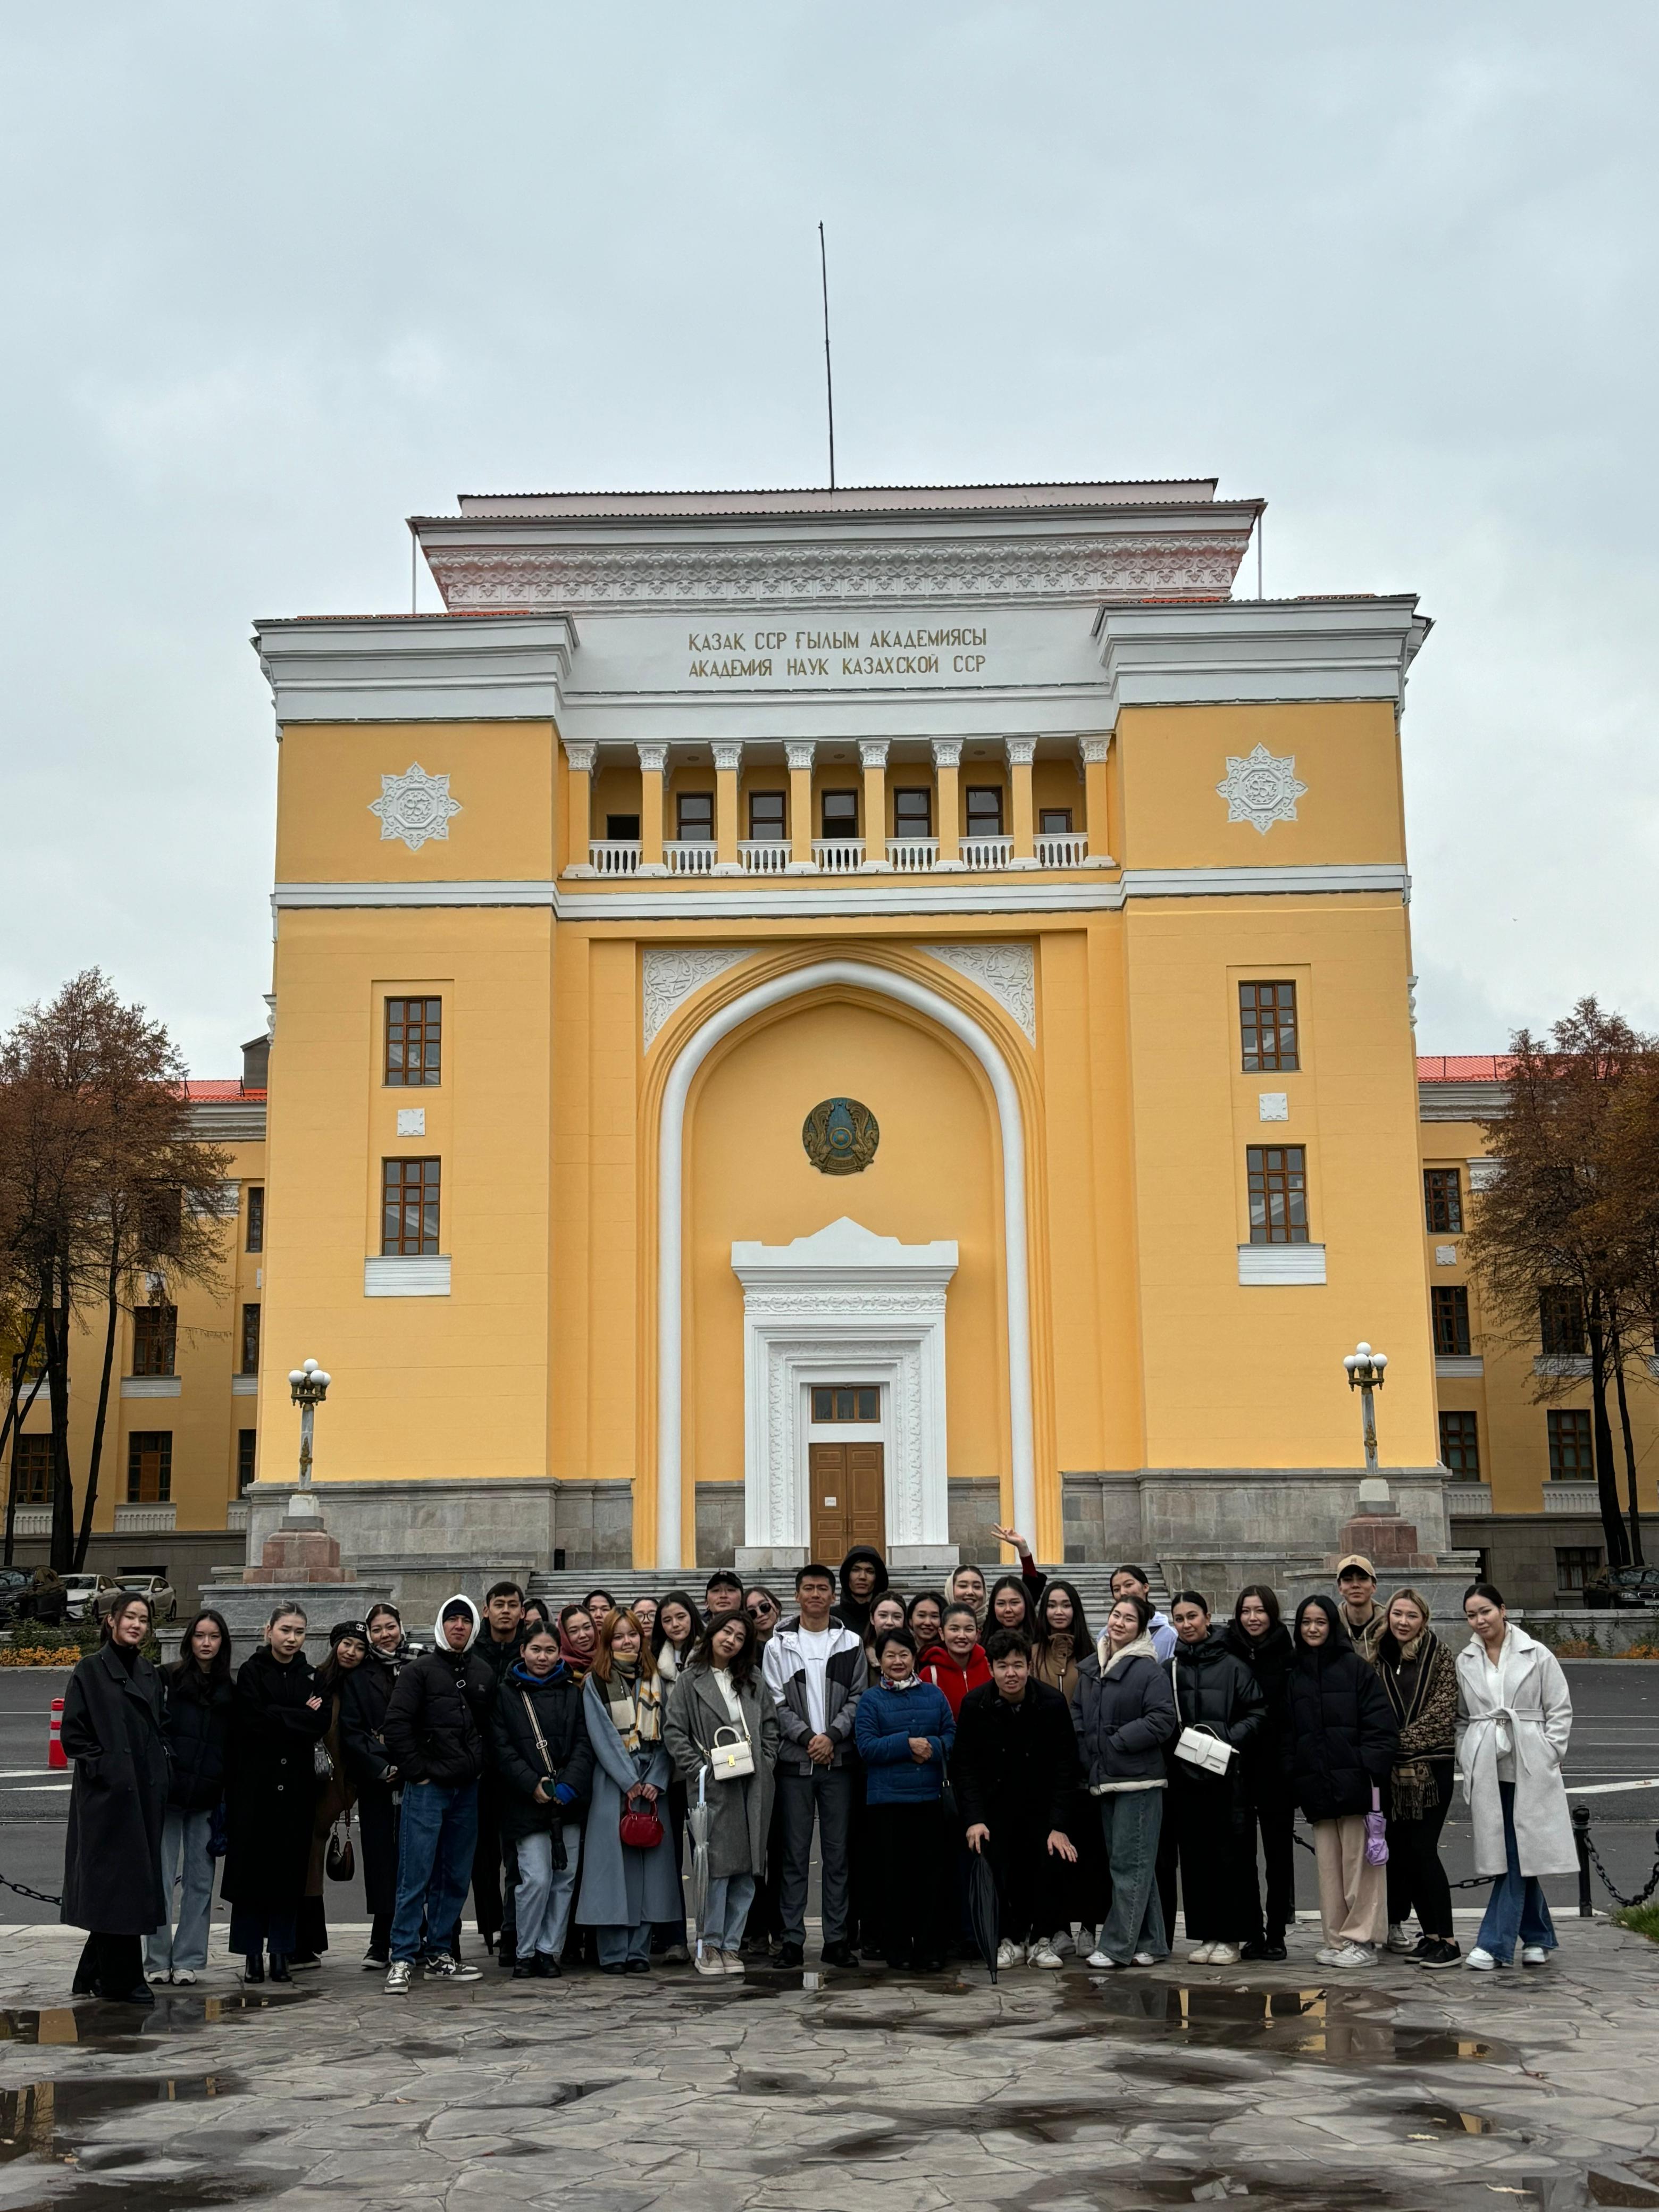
x=106 y=1198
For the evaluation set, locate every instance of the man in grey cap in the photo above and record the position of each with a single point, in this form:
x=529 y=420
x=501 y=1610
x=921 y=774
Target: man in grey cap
x=1356 y=1580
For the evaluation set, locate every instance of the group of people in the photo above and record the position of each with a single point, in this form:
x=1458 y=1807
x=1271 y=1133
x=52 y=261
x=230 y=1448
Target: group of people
x=572 y=1770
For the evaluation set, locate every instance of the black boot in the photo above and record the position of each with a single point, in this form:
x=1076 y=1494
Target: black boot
x=524 y=1970
x=279 y=1971
x=254 y=1970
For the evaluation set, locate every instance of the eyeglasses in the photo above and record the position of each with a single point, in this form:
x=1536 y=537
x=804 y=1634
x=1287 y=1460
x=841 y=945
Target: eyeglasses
x=759 y=1611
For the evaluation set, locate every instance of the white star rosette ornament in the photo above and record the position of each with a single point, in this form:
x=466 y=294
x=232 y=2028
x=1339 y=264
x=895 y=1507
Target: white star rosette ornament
x=1261 y=789
x=414 y=806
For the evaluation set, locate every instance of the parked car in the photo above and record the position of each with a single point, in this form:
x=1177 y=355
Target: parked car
x=163 y=1598
x=15 y=1593
x=84 y=1590
x=1623 y=1586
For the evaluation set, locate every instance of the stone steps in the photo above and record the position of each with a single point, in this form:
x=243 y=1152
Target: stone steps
x=568 y=1585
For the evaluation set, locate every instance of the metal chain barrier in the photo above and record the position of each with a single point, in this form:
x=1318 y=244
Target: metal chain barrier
x=1589 y=1856
x=22 y=1889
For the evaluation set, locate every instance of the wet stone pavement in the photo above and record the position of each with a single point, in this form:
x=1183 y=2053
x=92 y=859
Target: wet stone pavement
x=1286 y=2087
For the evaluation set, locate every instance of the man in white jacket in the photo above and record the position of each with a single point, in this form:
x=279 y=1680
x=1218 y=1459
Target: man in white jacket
x=814 y=1668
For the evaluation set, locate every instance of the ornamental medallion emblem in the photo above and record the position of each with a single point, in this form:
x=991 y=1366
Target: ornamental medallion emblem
x=840 y=1137
x=414 y=806
x=1261 y=789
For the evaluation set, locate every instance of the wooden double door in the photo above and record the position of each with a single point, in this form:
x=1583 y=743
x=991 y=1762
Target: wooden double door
x=847 y=1478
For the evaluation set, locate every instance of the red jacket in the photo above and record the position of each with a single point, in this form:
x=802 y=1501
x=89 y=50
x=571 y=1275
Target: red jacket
x=946 y=1674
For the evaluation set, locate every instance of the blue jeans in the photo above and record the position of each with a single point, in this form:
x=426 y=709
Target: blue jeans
x=618 y=1945
x=729 y=1899
x=1516 y=1906
x=1130 y=1821
x=541 y=1897
x=184 y=1839
x=439 y=1831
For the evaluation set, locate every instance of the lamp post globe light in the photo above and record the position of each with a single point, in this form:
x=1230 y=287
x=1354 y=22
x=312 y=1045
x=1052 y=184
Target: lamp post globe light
x=308 y=1387
x=1365 y=1374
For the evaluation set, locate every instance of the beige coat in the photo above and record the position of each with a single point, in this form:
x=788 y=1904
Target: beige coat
x=1528 y=1699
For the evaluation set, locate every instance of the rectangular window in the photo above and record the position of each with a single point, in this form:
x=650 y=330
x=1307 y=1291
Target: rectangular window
x=1278 y=1193
x=1448 y=1310
x=409 y=1213
x=1460 y=1445
x=256 y=1218
x=414 y=1040
x=155 y=1340
x=1575 y=1564
x=766 y=816
x=1443 y=1201
x=1267 y=1021
x=985 y=809
x=1561 y=1322
x=34 y=1470
x=694 y=817
x=840 y=813
x=250 y=1341
x=149 y=1467
x=846 y=1403
x=1055 y=822
x=913 y=813
x=623 y=829
x=245 y=1441
x=1572 y=1457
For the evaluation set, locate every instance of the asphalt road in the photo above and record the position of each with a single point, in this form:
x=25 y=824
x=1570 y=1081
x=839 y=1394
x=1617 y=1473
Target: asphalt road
x=1615 y=1741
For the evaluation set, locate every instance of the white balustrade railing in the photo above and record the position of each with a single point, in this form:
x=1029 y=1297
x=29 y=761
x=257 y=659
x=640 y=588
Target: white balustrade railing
x=1067 y=849
x=912 y=853
x=838 y=856
x=986 y=852
x=763 y=856
x=690 y=856
x=145 y=1520
x=614 y=856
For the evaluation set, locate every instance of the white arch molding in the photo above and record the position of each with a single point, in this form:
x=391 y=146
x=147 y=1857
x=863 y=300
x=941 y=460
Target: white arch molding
x=671 y=1227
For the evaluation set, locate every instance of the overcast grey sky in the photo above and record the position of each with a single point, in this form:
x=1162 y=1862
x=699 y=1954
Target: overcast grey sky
x=276 y=276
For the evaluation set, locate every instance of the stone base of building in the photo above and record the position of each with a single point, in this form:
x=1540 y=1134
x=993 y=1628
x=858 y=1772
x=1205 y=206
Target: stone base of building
x=1158 y=1512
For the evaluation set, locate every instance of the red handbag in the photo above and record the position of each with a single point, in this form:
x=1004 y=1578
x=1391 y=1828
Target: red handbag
x=640 y=1831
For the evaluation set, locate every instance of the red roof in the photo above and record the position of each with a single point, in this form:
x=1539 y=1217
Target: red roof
x=220 y=1088
x=1463 y=1067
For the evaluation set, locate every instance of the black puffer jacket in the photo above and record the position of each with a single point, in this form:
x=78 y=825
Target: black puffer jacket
x=1342 y=1734
x=1123 y=1719
x=437 y=1718
x=1269 y=1658
x=556 y=1701
x=1218 y=1693
x=196 y=1724
x=365 y=1694
x=1015 y=1765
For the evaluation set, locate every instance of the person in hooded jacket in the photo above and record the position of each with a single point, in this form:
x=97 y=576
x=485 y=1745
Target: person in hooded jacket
x=365 y=1695
x=1123 y=1711
x=276 y=1725
x=1341 y=1743
x=863 y=1579
x=956 y=1663
x=112 y=1735
x=543 y=1768
x=199 y=1696
x=1257 y=1637
x=437 y=1720
x=1206 y=1814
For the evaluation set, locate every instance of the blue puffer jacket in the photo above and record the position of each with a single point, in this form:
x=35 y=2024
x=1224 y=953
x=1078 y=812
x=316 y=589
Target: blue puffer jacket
x=887 y=1719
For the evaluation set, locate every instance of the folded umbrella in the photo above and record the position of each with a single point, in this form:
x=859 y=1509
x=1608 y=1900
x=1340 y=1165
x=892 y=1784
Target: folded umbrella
x=699 y=1826
x=984 y=1918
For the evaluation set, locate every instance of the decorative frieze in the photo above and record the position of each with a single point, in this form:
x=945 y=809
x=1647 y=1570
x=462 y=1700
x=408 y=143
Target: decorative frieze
x=1007 y=973
x=669 y=974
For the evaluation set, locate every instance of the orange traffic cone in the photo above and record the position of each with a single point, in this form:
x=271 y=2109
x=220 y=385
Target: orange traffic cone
x=54 y=1740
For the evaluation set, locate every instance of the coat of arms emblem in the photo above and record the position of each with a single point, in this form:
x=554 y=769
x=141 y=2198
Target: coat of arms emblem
x=840 y=1137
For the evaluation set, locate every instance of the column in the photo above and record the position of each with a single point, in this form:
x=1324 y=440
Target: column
x=1095 y=751
x=947 y=801
x=1021 y=752
x=872 y=754
x=728 y=764
x=653 y=780
x=799 y=751
x=580 y=786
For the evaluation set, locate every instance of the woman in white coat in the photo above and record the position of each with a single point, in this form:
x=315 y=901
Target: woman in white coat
x=1514 y=1717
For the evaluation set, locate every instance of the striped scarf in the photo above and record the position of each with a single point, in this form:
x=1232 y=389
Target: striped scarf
x=634 y=1701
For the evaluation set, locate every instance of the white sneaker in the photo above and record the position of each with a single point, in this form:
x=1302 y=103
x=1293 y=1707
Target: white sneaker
x=1045 y=1956
x=1399 y=1936
x=709 y=1961
x=440 y=1967
x=676 y=1955
x=1009 y=1954
x=1330 y=1954
x=184 y=1978
x=1100 y=1958
x=1200 y=1957
x=1224 y=1955
x=1482 y=1961
x=1355 y=1954
x=731 y=1963
x=397 y=1977
x=1144 y=1959
x=1532 y=1955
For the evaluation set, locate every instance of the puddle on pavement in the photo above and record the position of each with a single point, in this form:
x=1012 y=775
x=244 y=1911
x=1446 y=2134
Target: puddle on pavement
x=38 y=2118
x=1342 y=2027
x=111 y=2026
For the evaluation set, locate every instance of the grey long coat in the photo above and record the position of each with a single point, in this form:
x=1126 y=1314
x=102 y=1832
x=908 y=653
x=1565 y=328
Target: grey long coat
x=1531 y=1700
x=742 y=1808
x=621 y=1888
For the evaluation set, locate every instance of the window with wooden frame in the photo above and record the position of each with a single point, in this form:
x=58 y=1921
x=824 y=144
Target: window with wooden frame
x=246 y=1449
x=413 y=1041
x=1055 y=822
x=256 y=1217
x=839 y=813
x=1460 y=1445
x=766 y=818
x=1561 y=1322
x=1575 y=1564
x=1443 y=1201
x=149 y=1467
x=1278 y=1178
x=859 y=1402
x=1448 y=1313
x=1267 y=1021
x=984 y=810
x=694 y=817
x=250 y=1341
x=913 y=811
x=1572 y=1453
x=33 y=1470
x=409 y=1210
x=155 y=1338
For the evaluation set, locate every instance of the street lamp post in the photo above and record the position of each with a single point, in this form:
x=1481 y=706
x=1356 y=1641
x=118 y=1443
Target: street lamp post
x=308 y=1386
x=1366 y=1375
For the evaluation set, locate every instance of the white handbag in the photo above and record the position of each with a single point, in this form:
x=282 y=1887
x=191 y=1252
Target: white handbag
x=731 y=1756
x=1197 y=1746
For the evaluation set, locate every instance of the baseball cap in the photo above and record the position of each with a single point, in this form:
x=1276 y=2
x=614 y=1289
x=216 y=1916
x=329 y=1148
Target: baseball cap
x=1355 y=1559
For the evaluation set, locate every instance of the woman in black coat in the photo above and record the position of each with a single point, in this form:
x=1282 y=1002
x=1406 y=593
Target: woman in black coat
x=544 y=1762
x=1339 y=1752
x=113 y=1736
x=197 y=1722
x=1208 y=1813
x=1260 y=1638
x=279 y=1718
x=365 y=1694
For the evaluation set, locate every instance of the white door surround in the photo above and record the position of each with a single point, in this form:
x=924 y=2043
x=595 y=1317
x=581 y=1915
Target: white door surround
x=671 y=1223
x=844 y=1305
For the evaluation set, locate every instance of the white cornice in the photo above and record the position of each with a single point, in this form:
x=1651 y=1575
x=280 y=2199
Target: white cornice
x=417 y=668
x=1460 y=1101
x=1252 y=650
